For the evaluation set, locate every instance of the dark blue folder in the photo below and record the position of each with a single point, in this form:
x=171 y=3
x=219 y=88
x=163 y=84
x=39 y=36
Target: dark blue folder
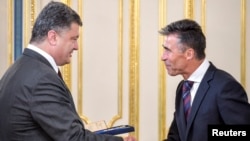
x=116 y=130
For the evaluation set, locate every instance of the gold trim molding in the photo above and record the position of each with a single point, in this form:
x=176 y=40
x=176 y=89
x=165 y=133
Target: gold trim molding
x=29 y=6
x=10 y=32
x=203 y=15
x=134 y=67
x=66 y=69
x=162 y=76
x=80 y=69
x=189 y=9
x=243 y=42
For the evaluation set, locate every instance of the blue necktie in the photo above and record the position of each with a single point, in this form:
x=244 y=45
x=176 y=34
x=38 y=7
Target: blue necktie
x=187 y=85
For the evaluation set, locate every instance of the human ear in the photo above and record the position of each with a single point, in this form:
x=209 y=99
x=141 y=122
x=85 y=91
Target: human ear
x=189 y=53
x=52 y=37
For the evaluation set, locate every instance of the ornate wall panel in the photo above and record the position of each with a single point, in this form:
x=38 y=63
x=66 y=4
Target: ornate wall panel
x=134 y=66
x=84 y=68
x=163 y=130
x=243 y=42
x=10 y=32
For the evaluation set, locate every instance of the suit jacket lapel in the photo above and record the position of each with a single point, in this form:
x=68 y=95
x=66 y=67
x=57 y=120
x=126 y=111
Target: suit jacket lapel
x=180 y=117
x=201 y=93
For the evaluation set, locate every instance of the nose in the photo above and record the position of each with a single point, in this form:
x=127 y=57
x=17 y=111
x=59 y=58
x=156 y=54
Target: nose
x=164 y=56
x=76 y=46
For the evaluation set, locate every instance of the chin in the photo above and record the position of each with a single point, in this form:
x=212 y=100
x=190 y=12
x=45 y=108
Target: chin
x=65 y=63
x=68 y=61
x=172 y=74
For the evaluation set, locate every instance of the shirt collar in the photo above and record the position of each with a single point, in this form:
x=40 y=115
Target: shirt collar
x=198 y=74
x=45 y=55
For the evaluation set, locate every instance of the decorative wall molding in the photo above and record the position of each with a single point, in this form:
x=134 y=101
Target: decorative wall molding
x=163 y=130
x=134 y=64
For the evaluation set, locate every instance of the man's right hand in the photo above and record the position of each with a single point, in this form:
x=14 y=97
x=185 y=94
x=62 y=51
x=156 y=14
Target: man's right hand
x=129 y=138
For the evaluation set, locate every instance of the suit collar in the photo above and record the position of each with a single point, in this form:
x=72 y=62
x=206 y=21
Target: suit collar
x=45 y=55
x=37 y=56
x=201 y=93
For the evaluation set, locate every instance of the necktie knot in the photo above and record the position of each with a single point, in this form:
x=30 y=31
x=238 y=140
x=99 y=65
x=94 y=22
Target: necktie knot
x=187 y=85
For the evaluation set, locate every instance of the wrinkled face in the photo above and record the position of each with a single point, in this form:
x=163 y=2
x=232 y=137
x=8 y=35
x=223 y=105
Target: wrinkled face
x=175 y=60
x=66 y=43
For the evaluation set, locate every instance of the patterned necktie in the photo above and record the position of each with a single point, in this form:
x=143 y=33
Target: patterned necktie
x=187 y=85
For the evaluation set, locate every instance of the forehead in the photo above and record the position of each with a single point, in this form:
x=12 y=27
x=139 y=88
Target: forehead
x=172 y=42
x=171 y=39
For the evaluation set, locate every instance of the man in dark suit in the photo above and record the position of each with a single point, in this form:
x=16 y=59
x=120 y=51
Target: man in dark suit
x=215 y=97
x=35 y=103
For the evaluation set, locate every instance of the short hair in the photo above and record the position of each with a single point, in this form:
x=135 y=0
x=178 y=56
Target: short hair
x=54 y=16
x=190 y=33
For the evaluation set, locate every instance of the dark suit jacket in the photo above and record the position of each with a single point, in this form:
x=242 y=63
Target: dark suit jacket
x=36 y=105
x=220 y=99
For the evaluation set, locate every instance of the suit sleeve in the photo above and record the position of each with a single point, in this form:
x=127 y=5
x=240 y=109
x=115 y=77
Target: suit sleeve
x=53 y=110
x=173 y=134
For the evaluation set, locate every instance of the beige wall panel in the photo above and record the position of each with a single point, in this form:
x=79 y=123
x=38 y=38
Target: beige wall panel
x=149 y=70
x=126 y=43
x=100 y=59
x=175 y=10
x=197 y=10
x=3 y=37
x=223 y=35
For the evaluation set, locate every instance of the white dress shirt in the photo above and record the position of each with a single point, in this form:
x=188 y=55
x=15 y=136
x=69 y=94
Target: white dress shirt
x=197 y=76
